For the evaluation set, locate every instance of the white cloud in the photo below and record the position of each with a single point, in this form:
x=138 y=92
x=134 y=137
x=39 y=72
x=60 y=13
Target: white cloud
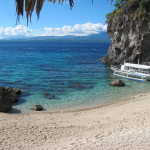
x=77 y=30
x=17 y=31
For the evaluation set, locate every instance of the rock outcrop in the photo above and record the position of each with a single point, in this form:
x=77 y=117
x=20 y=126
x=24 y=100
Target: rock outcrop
x=14 y=94
x=130 y=38
x=8 y=96
x=117 y=83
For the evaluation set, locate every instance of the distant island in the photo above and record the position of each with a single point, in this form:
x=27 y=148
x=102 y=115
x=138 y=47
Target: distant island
x=102 y=37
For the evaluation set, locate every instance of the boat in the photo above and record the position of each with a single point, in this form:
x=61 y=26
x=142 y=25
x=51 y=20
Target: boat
x=132 y=71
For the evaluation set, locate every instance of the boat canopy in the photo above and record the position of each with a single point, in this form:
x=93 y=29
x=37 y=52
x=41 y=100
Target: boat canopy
x=137 y=66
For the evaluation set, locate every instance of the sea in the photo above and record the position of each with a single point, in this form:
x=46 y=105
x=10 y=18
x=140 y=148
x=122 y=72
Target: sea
x=61 y=76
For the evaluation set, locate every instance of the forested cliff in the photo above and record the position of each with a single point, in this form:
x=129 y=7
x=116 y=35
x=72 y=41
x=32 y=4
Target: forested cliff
x=129 y=31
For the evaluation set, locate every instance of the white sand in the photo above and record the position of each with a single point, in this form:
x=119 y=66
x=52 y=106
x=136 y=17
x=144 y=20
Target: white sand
x=121 y=126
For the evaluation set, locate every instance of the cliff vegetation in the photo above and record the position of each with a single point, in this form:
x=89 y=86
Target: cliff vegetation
x=141 y=11
x=129 y=31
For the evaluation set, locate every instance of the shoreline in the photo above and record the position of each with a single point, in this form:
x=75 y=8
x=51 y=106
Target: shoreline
x=86 y=108
x=121 y=125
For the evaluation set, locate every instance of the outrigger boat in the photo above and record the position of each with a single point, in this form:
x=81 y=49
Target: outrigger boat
x=132 y=71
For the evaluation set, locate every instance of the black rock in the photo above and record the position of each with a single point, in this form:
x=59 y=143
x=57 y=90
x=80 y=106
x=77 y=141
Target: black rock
x=118 y=83
x=16 y=100
x=8 y=96
x=5 y=101
x=17 y=91
x=14 y=94
x=37 y=108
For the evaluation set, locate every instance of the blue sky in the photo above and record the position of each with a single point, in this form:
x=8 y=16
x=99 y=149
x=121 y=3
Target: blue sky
x=56 y=19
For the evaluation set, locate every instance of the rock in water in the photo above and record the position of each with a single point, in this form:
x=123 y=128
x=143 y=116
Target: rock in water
x=17 y=91
x=49 y=96
x=118 y=83
x=14 y=94
x=8 y=96
x=37 y=108
x=5 y=101
x=130 y=38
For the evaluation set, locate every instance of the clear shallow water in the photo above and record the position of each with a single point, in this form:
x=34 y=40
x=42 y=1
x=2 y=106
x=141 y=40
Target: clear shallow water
x=72 y=73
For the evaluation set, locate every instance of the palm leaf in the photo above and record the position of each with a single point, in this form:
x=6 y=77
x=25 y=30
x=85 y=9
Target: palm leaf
x=20 y=7
x=30 y=5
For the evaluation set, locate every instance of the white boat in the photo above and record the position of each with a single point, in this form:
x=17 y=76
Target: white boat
x=132 y=71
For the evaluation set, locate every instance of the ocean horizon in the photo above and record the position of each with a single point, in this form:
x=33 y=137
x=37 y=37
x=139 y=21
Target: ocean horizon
x=61 y=76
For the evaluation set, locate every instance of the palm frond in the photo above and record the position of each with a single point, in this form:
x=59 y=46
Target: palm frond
x=39 y=6
x=30 y=6
x=20 y=7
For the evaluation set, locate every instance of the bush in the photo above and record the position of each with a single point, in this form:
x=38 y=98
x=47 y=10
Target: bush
x=142 y=11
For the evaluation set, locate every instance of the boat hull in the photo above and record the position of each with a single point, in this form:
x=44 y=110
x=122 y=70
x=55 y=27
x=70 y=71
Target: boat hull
x=132 y=76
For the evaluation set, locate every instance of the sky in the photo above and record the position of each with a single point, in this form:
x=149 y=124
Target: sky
x=56 y=19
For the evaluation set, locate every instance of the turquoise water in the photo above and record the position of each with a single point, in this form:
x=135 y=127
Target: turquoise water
x=61 y=76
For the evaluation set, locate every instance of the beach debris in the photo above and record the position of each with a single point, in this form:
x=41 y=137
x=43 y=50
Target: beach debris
x=117 y=83
x=8 y=96
x=37 y=107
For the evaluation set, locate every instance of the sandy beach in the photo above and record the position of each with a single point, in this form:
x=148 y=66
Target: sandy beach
x=121 y=126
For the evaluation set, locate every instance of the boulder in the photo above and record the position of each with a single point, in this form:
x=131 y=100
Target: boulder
x=37 y=108
x=5 y=102
x=17 y=91
x=118 y=83
x=8 y=96
x=14 y=94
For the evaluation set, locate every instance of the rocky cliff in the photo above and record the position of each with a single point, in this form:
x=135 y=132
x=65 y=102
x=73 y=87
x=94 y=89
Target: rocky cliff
x=130 y=37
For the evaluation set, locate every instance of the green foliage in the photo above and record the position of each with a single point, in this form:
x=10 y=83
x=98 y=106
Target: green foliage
x=142 y=10
x=118 y=4
x=113 y=14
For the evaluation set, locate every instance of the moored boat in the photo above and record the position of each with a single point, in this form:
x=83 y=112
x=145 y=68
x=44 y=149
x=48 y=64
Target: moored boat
x=132 y=71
